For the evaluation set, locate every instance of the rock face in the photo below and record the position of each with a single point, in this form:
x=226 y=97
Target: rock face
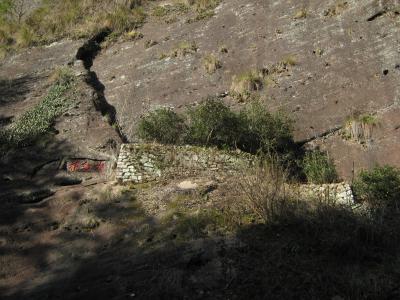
x=343 y=59
x=81 y=133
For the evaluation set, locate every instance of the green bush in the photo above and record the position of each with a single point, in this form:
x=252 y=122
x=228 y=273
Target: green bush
x=162 y=125
x=262 y=131
x=318 y=168
x=212 y=123
x=380 y=187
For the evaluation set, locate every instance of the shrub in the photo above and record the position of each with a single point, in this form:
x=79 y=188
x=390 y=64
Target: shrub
x=262 y=131
x=212 y=123
x=263 y=191
x=318 y=168
x=379 y=187
x=162 y=125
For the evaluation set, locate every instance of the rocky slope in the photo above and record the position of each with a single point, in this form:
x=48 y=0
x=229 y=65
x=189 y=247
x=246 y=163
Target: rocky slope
x=346 y=61
x=323 y=62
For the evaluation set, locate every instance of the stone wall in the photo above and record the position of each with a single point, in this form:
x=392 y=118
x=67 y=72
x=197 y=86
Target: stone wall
x=335 y=192
x=141 y=163
x=147 y=162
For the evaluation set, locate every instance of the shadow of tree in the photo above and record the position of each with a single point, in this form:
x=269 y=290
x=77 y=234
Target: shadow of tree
x=130 y=254
x=14 y=90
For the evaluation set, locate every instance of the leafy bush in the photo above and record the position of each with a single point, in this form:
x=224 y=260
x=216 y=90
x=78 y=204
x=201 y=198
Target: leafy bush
x=162 y=125
x=212 y=123
x=379 y=187
x=318 y=168
x=262 y=131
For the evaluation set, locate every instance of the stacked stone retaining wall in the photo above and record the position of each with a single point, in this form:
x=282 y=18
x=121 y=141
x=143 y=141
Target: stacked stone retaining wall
x=147 y=162
x=139 y=163
x=334 y=192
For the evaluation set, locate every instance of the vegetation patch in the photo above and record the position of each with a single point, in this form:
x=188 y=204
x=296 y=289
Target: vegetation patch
x=359 y=127
x=181 y=50
x=379 y=187
x=243 y=85
x=38 y=121
x=300 y=14
x=319 y=168
x=23 y=25
x=162 y=125
x=211 y=64
x=212 y=123
x=336 y=9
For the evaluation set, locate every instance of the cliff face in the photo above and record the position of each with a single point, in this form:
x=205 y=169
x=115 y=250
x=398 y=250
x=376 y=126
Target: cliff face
x=324 y=63
x=344 y=60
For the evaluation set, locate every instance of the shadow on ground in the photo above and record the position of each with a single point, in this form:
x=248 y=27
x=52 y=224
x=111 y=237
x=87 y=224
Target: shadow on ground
x=91 y=245
x=15 y=90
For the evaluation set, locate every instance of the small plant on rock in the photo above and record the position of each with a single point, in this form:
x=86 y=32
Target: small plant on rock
x=211 y=64
x=184 y=48
x=246 y=83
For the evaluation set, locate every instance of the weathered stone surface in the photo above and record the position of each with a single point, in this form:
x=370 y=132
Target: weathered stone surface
x=346 y=61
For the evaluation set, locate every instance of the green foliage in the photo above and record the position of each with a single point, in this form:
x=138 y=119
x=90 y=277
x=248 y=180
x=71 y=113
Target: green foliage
x=318 y=168
x=212 y=123
x=162 y=125
x=379 y=187
x=38 y=121
x=262 y=131
x=5 y=6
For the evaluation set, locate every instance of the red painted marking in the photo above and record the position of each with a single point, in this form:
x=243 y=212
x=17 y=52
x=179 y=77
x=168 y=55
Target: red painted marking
x=86 y=166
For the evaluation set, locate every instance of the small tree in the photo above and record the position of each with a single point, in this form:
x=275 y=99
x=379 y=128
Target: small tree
x=262 y=131
x=212 y=123
x=162 y=125
x=15 y=10
x=319 y=168
x=379 y=187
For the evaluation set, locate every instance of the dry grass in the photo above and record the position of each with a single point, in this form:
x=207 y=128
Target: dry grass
x=54 y=20
x=336 y=9
x=360 y=127
x=211 y=64
x=301 y=14
x=243 y=85
x=182 y=49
